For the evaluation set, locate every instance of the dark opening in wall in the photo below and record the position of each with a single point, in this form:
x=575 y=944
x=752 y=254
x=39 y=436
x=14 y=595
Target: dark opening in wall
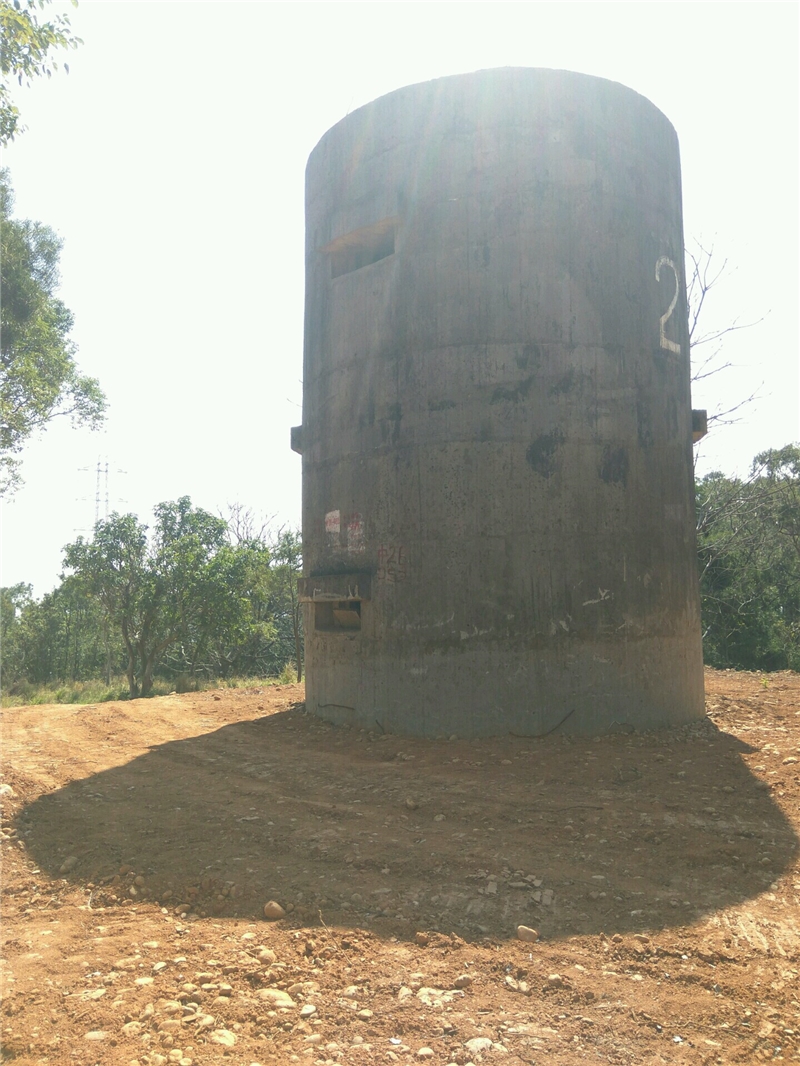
x=334 y=616
x=362 y=247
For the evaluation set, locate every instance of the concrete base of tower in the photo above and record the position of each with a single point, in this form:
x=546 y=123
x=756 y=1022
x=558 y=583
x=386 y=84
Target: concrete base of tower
x=492 y=690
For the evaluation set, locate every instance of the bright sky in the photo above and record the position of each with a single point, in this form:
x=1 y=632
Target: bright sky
x=171 y=161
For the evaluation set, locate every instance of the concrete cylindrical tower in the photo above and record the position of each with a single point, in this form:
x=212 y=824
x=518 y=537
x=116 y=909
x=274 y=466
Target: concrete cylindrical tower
x=498 y=519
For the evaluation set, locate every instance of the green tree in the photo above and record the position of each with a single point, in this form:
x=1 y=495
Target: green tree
x=13 y=601
x=39 y=379
x=26 y=45
x=749 y=553
x=177 y=596
x=287 y=566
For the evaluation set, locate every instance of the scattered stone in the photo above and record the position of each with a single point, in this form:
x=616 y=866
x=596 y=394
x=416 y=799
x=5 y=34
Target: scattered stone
x=68 y=864
x=555 y=980
x=411 y=803
x=307 y=1010
x=132 y=1028
x=94 y=993
x=422 y=939
x=491 y=888
x=464 y=980
x=434 y=997
x=425 y=1053
x=170 y=1006
x=276 y=997
x=478 y=1044
x=440 y=818
x=524 y=932
x=96 y=1034
x=315 y=1038
x=267 y=955
x=547 y=897
x=351 y=992
x=790 y=761
x=273 y=911
x=224 y=1037
x=364 y=1015
x=159 y=966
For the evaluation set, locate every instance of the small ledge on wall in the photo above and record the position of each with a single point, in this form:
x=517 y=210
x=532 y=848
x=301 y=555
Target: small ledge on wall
x=699 y=425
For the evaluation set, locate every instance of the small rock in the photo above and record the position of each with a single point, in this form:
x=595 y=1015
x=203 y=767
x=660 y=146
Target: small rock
x=364 y=1015
x=315 y=1038
x=478 y=1044
x=411 y=803
x=159 y=966
x=555 y=980
x=547 y=897
x=307 y=1010
x=273 y=911
x=96 y=1034
x=524 y=932
x=464 y=980
x=68 y=864
x=425 y=1053
x=276 y=997
x=422 y=939
x=491 y=888
x=790 y=761
x=224 y=1037
x=436 y=818
x=132 y=1028
x=267 y=955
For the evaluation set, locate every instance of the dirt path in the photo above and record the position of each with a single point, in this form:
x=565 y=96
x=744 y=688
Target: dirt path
x=143 y=839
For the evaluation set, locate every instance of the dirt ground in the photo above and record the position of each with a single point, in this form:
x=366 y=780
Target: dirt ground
x=142 y=840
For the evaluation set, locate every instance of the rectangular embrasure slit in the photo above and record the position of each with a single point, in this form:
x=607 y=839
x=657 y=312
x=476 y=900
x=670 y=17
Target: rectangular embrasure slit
x=361 y=247
x=336 y=616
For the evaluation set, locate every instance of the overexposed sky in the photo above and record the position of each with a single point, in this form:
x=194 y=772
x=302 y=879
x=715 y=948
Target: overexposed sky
x=171 y=160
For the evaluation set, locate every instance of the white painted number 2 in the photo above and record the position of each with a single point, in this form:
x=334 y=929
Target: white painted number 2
x=671 y=346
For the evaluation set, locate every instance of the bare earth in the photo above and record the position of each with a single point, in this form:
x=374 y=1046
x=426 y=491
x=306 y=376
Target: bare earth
x=143 y=839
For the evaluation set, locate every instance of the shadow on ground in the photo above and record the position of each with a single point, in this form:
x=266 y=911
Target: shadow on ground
x=625 y=833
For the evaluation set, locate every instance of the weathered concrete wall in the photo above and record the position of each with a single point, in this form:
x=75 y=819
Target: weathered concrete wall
x=498 y=518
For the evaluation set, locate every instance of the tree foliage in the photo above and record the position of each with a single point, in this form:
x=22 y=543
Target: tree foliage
x=39 y=379
x=749 y=555
x=190 y=598
x=26 y=47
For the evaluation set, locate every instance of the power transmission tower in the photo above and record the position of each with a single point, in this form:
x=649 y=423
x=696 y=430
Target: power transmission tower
x=100 y=487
